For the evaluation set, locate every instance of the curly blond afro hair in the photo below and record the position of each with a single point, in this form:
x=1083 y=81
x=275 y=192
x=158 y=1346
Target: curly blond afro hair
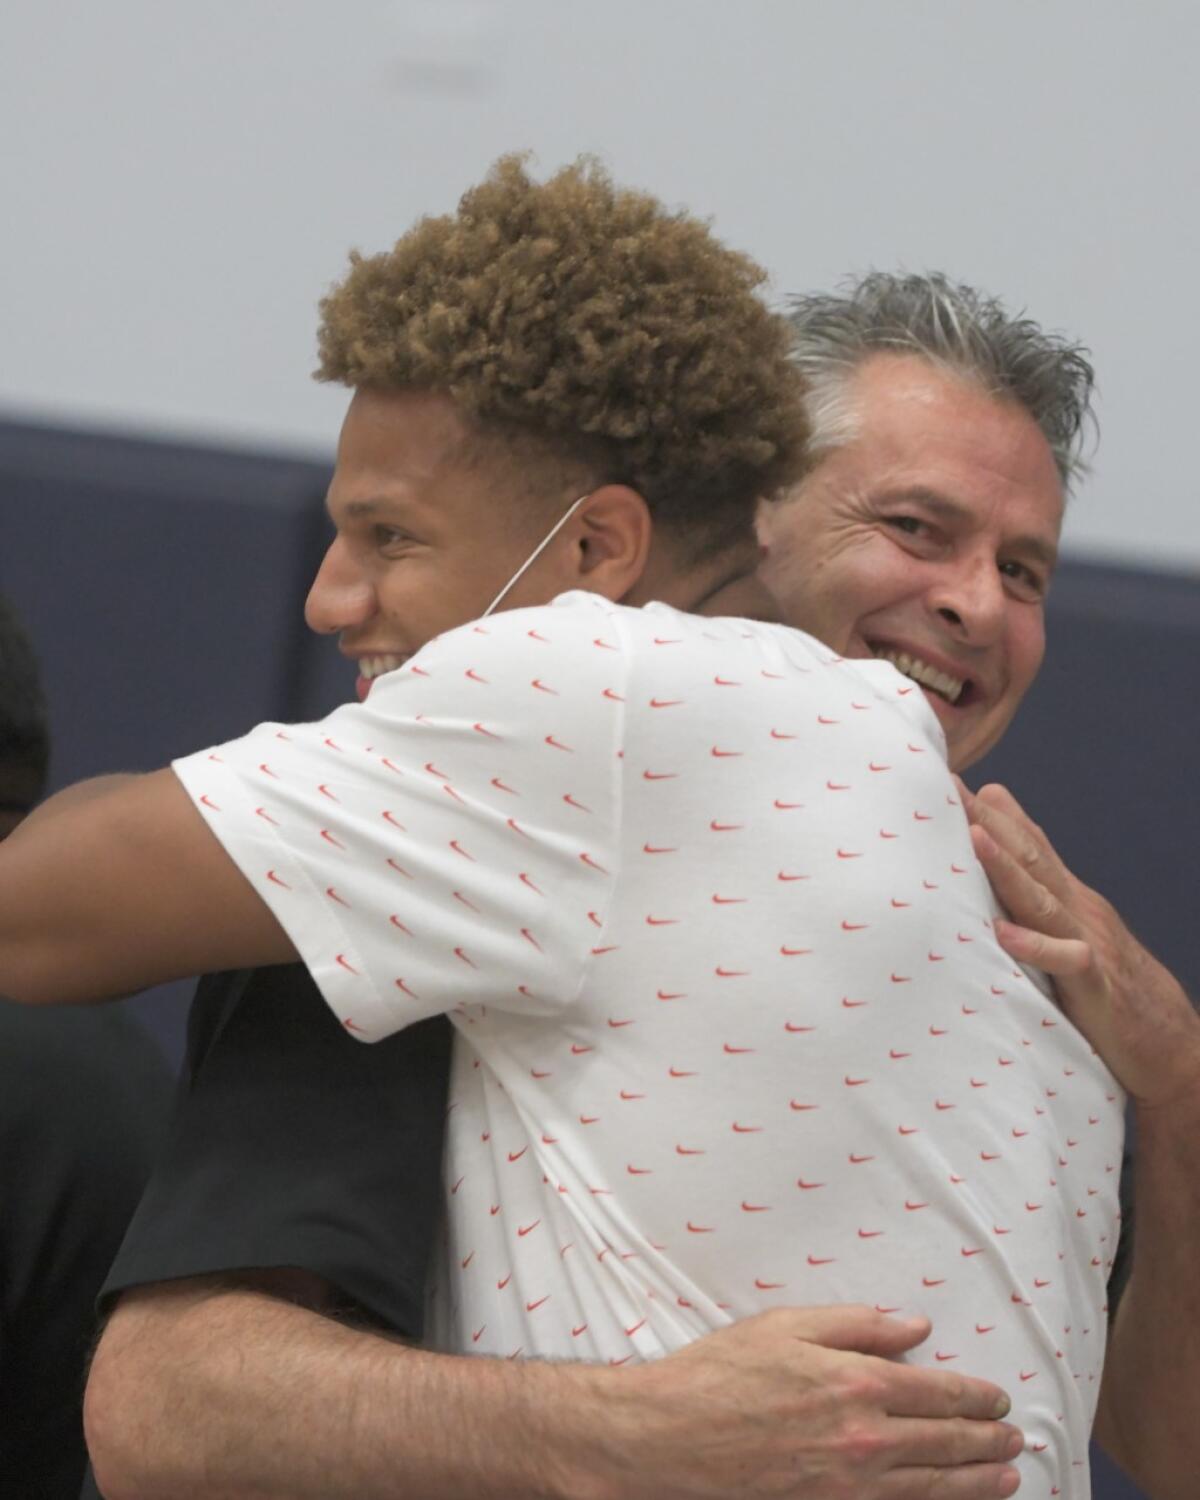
x=615 y=335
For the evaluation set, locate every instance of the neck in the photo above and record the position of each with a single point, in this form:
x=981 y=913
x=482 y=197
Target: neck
x=728 y=585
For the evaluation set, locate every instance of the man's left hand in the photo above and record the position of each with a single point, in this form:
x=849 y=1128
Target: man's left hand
x=1132 y=1009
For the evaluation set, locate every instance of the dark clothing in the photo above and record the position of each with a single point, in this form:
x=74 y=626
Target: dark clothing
x=84 y=1096
x=292 y=1144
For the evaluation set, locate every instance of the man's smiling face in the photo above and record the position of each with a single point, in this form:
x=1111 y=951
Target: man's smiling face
x=424 y=539
x=929 y=538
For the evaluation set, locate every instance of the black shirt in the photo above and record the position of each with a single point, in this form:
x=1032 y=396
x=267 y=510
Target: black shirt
x=84 y=1095
x=292 y=1144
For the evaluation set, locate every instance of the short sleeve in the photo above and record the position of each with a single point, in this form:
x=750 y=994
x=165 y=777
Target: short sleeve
x=451 y=838
x=317 y=1153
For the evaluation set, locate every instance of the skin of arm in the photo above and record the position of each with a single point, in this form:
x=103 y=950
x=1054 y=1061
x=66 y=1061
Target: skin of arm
x=117 y=884
x=1141 y=1022
x=191 y=1376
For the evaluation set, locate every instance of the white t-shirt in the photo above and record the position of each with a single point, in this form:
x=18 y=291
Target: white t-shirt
x=733 y=1028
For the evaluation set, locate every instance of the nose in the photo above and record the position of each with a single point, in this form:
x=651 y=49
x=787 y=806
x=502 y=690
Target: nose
x=342 y=596
x=970 y=598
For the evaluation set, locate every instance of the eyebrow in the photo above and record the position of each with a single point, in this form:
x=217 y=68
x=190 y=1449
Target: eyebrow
x=953 y=510
x=360 y=510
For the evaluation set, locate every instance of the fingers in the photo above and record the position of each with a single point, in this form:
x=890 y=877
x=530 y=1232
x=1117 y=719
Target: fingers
x=946 y=1444
x=856 y=1328
x=976 y=1482
x=915 y=1392
x=995 y=809
x=1027 y=898
x=1065 y=958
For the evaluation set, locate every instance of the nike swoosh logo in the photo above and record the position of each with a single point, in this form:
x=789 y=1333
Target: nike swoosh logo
x=680 y=1073
x=909 y=1129
x=665 y=702
x=729 y=900
x=661 y=921
x=853 y=1083
x=857 y=1161
x=968 y=1253
x=724 y=754
x=672 y=994
x=533 y=1306
x=659 y=775
x=784 y=875
x=755 y=1208
x=942 y=1358
x=913 y=1207
x=690 y=1150
x=575 y=1332
x=725 y=827
x=821 y=1260
x=517 y=1155
x=524 y=1229
x=869 y=1234
x=788 y=806
x=853 y=926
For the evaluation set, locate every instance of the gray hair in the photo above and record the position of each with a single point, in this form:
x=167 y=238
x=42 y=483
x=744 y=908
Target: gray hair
x=955 y=327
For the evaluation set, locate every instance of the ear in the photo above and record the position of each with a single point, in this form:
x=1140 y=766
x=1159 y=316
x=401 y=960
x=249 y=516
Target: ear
x=612 y=542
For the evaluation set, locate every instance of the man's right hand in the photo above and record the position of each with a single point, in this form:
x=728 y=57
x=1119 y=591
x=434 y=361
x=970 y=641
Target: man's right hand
x=808 y=1404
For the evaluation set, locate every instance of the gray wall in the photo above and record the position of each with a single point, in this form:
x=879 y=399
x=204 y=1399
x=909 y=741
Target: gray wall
x=180 y=182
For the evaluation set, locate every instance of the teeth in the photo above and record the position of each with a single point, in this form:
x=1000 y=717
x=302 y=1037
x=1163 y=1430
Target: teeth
x=375 y=666
x=920 y=671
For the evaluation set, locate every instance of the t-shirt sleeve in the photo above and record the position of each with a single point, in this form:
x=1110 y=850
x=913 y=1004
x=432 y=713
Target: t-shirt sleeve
x=315 y=1153
x=451 y=841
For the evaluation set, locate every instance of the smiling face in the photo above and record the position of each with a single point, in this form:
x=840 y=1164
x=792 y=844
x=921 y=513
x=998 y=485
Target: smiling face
x=425 y=539
x=929 y=537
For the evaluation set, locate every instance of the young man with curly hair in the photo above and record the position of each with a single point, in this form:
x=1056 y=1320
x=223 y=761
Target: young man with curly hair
x=698 y=896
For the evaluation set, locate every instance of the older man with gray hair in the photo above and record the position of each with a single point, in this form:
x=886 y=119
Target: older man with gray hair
x=946 y=435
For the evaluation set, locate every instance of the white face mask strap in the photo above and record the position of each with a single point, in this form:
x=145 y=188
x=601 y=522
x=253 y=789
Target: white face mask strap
x=535 y=554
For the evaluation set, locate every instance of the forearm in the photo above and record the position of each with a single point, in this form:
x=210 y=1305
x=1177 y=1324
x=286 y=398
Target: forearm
x=223 y=1393
x=1147 y=1418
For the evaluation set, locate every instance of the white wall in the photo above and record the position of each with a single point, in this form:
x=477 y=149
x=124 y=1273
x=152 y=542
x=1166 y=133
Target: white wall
x=179 y=182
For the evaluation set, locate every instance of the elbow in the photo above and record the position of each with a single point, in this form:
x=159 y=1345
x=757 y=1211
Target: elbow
x=123 y=1428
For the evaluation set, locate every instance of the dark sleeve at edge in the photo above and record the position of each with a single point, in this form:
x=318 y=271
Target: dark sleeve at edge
x=291 y=1144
